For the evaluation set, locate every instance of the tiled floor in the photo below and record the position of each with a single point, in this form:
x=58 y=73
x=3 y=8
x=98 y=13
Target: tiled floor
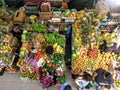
x=12 y=82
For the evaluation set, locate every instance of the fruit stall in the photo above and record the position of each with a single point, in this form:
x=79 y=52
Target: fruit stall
x=38 y=34
x=8 y=46
x=38 y=38
x=95 y=43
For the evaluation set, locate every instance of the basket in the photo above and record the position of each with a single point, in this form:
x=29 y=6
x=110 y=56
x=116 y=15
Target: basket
x=45 y=15
x=19 y=16
x=45 y=7
x=11 y=69
x=8 y=40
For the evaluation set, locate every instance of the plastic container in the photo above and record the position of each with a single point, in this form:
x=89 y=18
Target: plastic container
x=55 y=3
x=35 y=1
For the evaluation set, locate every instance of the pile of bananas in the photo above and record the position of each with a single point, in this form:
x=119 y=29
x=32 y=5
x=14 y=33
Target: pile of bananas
x=40 y=38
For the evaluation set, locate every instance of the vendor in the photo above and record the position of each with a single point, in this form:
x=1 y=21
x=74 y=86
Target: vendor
x=102 y=78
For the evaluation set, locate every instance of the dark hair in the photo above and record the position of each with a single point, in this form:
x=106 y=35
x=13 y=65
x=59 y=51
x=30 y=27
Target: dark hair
x=107 y=74
x=108 y=86
x=87 y=76
x=67 y=87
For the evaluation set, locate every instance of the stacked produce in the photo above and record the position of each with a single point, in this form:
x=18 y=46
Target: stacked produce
x=40 y=48
x=28 y=73
x=85 y=39
x=38 y=27
x=5 y=48
x=8 y=43
x=82 y=59
x=93 y=47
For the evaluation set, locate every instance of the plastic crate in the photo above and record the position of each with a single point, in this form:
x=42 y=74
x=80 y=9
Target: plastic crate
x=35 y=1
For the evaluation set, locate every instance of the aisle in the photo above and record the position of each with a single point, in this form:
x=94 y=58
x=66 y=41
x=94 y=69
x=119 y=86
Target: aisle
x=13 y=82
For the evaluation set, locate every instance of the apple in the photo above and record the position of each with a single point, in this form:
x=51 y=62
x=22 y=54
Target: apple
x=23 y=37
x=25 y=31
x=22 y=53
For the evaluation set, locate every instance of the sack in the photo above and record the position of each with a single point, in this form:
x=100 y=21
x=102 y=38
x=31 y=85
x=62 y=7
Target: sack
x=19 y=16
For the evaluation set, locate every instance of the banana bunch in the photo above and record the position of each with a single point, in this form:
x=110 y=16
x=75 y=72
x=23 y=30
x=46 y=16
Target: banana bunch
x=117 y=82
x=72 y=15
x=25 y=47
x=58 y=48
x=31 y=74
x=108 y=36
x=6 y=48
x=7 y=37
x=40 y=38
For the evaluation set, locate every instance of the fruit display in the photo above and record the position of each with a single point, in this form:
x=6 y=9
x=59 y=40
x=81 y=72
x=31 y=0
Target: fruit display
x=5 y=48
x=58 y=48
x=92 y=47
x=85 y=23
x=108 y=36
x=117 y=83
x=116 y=76
x=40 y=48
x=23 y=72
x=23 y=63
x=92 y=52
x=7 y=37
x=54 y=37
x=107 y=59
x=38 y=27
x=31 y=74
x=24 y=48
x=8 y=45
x=40 y=38
x=43 y=44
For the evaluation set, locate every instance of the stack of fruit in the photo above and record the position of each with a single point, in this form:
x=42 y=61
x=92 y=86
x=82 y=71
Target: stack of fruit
x=106 y=60
x=28 y=73
x=5 y=48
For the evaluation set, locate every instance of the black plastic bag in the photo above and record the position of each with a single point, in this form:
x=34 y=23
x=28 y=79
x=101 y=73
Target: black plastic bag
x=81 y=4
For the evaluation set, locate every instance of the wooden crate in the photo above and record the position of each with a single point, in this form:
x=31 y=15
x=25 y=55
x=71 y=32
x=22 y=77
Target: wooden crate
x=45 y=15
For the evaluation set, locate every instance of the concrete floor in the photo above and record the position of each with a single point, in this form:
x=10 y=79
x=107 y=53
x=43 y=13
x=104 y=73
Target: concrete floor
x=13 y=82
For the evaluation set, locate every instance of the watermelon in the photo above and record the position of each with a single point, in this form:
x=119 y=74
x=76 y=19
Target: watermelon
x=66 y=13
